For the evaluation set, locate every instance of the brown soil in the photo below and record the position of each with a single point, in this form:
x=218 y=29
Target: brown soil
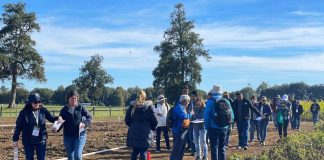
x=111 y=133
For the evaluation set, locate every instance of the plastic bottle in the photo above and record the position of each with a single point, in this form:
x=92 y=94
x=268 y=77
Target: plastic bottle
x=16 y=153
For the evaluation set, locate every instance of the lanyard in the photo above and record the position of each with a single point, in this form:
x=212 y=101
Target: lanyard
x=36 y=117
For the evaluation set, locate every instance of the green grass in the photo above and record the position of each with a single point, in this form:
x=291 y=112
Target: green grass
x=101 y=112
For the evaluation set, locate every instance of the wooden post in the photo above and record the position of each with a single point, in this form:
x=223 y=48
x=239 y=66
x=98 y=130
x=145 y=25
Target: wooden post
x=93 y=110
x=53 y=112
x=110 y=110
x=1 y=111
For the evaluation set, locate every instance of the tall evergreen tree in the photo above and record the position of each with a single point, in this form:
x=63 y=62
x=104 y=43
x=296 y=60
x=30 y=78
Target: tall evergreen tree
x=18 y=57
x=179 y=52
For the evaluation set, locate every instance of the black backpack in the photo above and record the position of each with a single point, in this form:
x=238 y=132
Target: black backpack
x=169 y=118
x=223 y=114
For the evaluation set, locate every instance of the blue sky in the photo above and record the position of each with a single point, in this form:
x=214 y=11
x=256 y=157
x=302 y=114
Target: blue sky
x=250 y=41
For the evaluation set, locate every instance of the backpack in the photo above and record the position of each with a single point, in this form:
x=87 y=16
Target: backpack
x=223 y=114
x=169 y=118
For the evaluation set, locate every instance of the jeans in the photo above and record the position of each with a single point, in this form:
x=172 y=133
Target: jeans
x=74 y=146
x=200 y=141
x=296 y=121
x=263 y=125
x=142 y=153
x=242 y=128
x=228 y=134
x=179 y=144
x=283 y=127
x=40 y=151
x=315 y=117
x=254 y=127
x=165 y=130
x=217 y=143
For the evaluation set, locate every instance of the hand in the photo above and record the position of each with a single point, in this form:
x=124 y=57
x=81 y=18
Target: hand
x=159 y=114
x=82 y=125
x=60 y=119
x=54 y=130
x=15 y=144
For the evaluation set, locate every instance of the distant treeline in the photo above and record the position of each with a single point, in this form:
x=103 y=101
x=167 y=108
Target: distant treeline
x=120 y=97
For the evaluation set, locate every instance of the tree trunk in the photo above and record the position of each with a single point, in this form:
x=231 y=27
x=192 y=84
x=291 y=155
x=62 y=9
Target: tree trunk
x=12 y=103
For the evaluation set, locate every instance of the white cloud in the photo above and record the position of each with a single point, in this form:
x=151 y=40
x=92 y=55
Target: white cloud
x=261 y=38
x=304 y=63
x=306 y=13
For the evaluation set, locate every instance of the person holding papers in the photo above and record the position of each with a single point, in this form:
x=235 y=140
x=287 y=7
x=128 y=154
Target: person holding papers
x=265 y=111
x=199 y=132
x=31 y=122
x=76 y=119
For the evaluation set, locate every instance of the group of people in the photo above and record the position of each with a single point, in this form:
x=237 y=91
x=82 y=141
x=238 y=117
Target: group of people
x=31 y=122
x=194 y=122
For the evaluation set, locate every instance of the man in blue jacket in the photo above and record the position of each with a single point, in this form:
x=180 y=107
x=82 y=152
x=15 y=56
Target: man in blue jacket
x=179 y=130
x=216 y=133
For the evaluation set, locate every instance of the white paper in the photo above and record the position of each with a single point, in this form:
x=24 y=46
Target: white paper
x=258 y=118
x=57 y=125
x=198 y=121
x=81 y=129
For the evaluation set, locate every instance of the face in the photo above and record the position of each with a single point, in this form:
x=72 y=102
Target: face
x=73 y=101
x=185 y=91
x=193 y=97
x=264 y=101
x=185 y=103
x=162 y=101
x=239 y=97
x=35 y=105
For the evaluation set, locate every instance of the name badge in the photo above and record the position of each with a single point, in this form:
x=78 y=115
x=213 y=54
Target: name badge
x=35 y=131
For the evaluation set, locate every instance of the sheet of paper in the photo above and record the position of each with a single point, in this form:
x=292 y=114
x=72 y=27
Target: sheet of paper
x=258 y=118
x=198 y=121
x=57 y=125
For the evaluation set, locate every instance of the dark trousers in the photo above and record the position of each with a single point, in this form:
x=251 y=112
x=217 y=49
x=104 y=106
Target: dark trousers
x=40 y=151
x=165 y=130
x=295 y=121
x=179 y=144
x=142 y=152
x=190 y=139
x=243 y=130
x=217 y=143
x=283 y=127
x=254 y=126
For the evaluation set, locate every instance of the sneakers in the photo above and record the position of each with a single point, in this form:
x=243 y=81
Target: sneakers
x=204 y=158
x=238 y=147
x=226 y=147
x=198 y=158
x=245 y=147
x=263 y=143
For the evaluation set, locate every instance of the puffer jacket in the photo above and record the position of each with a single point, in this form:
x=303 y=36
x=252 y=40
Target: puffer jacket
x=140 y=124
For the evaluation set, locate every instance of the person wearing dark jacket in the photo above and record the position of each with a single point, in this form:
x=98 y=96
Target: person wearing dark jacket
x=296 y=110
x=31 y=122
x=242 y=109
x=76 y=119
x=315 y=110
x=254 y=124
x=265 y=110
x=141 y=120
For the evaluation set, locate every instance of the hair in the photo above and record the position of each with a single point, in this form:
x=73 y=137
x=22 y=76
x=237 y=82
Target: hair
x=184 y=97
x=201 y=101
x=141 y=96
x=71 y=94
